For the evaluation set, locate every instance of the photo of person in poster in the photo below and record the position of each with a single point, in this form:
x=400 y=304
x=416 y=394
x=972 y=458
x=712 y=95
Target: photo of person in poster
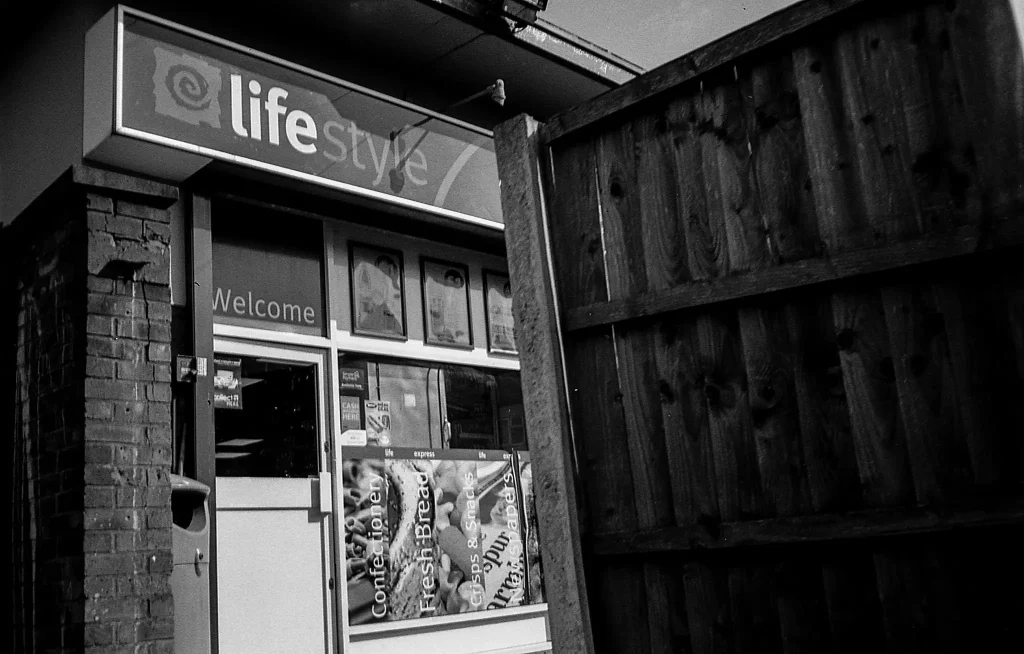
x=500 y=333
x=446 y=304
x=377 y=301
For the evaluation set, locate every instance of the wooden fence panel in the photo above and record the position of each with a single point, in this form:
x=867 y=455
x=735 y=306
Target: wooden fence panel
x=793 y=329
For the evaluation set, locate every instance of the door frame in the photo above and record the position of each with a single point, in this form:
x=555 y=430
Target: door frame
x=320 y=358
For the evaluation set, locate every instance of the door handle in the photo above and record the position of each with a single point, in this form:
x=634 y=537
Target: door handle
x=199 y=557
x=326 y=494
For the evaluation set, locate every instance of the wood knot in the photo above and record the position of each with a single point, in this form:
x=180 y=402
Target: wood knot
x=713 y=394
x=667 y=394
x=816 y=66
x=867 y=119
x=616 y=189
x=846 y=339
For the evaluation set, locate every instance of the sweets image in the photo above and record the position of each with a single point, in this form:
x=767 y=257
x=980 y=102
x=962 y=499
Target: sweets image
x=367 y=535
x=478 y=531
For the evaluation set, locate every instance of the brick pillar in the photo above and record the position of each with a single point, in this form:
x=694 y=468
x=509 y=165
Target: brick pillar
x=43 y=250
x=92 y=519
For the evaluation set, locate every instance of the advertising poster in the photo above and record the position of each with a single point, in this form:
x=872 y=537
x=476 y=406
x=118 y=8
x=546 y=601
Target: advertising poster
x=227 y=384
x=378 y=422
x=446 y=304
x=378 y=291
x=450 y=539
x=500 y=326
x=367 y=535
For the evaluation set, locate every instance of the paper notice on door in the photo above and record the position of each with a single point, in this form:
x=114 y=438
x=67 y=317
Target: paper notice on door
x=378 y=422
x=353 y=438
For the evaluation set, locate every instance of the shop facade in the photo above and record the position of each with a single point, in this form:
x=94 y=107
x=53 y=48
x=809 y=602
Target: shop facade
x=261 y=286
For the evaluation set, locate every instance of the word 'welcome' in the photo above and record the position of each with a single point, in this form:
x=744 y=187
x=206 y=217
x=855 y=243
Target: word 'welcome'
x=227 y=303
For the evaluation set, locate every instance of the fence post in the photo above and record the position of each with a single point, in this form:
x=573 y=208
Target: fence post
x=543 y=379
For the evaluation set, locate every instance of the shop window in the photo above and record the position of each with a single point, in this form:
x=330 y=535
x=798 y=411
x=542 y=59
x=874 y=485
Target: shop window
x=272 y=432
x=432 y=405
x=438 y=491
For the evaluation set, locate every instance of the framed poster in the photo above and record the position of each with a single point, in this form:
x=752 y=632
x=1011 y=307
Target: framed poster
x=376 y=277
x=446 y=304
x=498 y=300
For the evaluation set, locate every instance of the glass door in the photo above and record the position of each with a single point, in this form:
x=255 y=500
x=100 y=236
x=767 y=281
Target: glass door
x=273 y=463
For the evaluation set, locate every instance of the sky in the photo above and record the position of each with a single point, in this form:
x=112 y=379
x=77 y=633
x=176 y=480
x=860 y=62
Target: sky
x=651 y=32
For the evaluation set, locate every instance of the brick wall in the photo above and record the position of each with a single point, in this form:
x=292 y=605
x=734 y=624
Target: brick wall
x=92 y=520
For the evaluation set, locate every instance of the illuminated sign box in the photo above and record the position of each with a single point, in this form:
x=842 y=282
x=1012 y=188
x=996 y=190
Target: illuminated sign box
x=165 y=100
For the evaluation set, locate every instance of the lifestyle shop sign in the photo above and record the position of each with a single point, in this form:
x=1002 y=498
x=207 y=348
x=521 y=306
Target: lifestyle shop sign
x=199 y=95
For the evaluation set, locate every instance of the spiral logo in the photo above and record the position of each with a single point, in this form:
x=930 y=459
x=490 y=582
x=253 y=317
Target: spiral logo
x=186 y=88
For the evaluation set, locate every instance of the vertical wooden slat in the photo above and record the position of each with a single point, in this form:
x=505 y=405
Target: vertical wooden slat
x=755 y=618
x=600 y=432
x=841 y=222
x=775 y=128
x=669 y=627
x=1004 y=310
x=773 y=405
x=574 y=225
x=930 y=399
x=687 y=430
x=866 y=75
x=738 y=480
x=853 y=606
x=547 y=421
x=825 y=432
x=803 y=614
x=621 y=193
x=831 y=99
x=973 y=360
x=707 y=608
x=662 y=219
x=698 y=186
x=917 y=601
x=987 y=55
x=764 y=117
x=932 y=114
x=748 y=241
x=621 y=623
x=869 y=377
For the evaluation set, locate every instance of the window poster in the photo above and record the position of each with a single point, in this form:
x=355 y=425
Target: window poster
x=534 y=571
x=378 y=292
x=446 y=304
x=498 y=296
x=432 y=533
x=378 y=422
x=227 y=384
